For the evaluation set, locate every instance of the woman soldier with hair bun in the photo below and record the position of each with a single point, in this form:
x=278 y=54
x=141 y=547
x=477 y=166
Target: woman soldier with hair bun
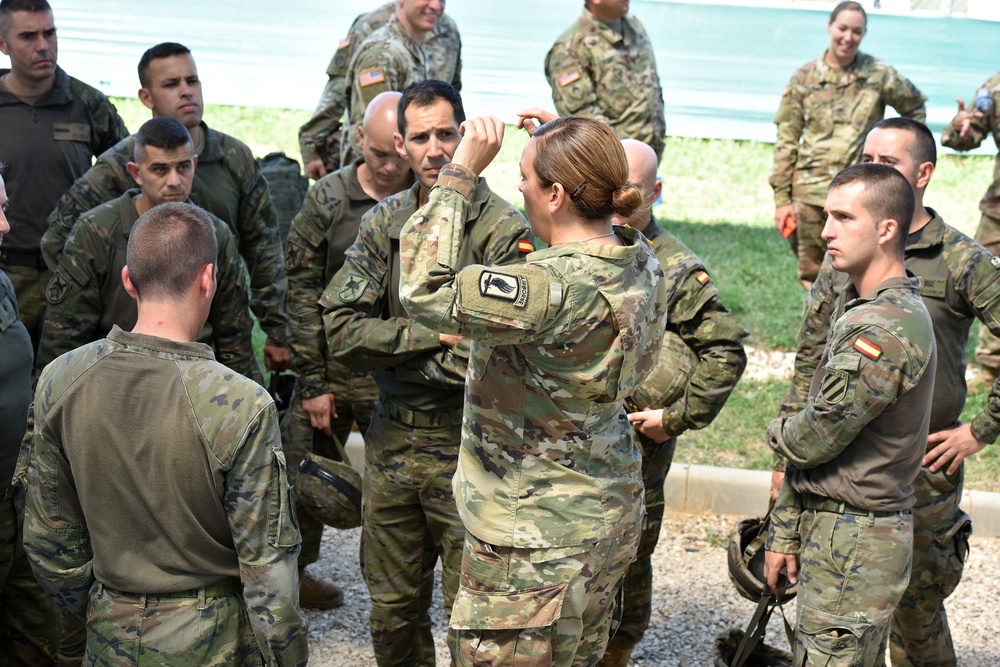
x=548 y=482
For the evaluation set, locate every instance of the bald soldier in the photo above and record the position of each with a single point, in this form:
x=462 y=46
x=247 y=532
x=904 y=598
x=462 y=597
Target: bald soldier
x=329 y=398
x=701 y=361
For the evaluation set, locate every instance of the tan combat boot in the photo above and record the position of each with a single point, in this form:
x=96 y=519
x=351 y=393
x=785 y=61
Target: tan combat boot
x=316 y=593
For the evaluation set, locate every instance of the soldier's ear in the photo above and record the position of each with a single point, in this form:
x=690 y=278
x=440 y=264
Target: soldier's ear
x=397 y=139
x=127 y=282
x=145 y=98
x=133 y=170
x=924 y=174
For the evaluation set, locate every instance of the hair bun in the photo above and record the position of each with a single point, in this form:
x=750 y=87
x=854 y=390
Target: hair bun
x=626 y=199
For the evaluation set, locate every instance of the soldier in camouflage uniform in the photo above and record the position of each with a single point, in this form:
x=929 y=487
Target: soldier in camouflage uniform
x=700 y=362
x=209 y=577
x=228 y=184
x=86 y=297
x=603 y=67
x=396 y=56
x=29 y=621
x=320 y=139
x=52 y=126
x=411 y=447
x=329 y=398
x=842 y=525
x=967 y=130
x=548 y=483
x=825 y=113
x=959 y=282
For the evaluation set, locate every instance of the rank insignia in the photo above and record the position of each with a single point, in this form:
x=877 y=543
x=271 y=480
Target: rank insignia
x=504 y=286
x=568 y=77
x=57 y=289
x=834 y=387
x=870 y=350
x=353 y=288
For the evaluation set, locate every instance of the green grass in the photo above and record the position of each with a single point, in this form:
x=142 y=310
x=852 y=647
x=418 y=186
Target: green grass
x=717 y=201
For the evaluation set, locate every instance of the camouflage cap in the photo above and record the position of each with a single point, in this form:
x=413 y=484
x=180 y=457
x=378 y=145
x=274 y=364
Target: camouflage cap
x=331 y=491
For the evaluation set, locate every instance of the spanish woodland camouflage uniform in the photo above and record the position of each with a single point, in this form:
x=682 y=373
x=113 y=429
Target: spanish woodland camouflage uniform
x=57 y=136
x=209 y=521
x=549 y=483
x=411 y=448
x=389 y=59
x=823 y=119
x=988 y=233
x=29 y=621
x=228 y=184
x=86 y=296
x=702 y=331
x=854 y=451
x=314 y=251
x=594 y=71
x=321 y=137
x=959 y=282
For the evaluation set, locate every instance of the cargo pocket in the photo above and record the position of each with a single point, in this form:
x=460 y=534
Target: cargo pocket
x=282 y=526
x=828 y=640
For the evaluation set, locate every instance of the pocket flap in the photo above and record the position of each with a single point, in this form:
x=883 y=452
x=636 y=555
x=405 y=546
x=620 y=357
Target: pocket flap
x=531 y=608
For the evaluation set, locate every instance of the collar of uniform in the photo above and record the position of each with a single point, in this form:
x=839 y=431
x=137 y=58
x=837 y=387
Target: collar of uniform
x=908 y=282
x=652 y=230
x=412 y=46
x=860 y=69
x=350 y=175
x=127 y=210
x=58 y=94
x=630 y=236
x=412 y=197
x=604 y=30
x=213 y=151
x=147 y=344
x=931 y=235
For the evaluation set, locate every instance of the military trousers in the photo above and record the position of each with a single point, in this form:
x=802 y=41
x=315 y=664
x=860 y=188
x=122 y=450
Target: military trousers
x=637 y=587
x=202 y=627
x=29 y=619
x=806 y=241
x=539 y=607
x=919 y=635
x=355 y=395
x=410 y=521
x=853 y=569
x=988 y=348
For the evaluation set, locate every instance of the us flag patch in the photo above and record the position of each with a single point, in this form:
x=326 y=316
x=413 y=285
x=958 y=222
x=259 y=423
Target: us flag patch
x=568 y=77
x=371 y=77
x=525 y=246
x=868 y=349
x=344 y=43
x=702 y=277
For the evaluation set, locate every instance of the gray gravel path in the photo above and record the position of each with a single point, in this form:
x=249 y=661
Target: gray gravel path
x=693 y=601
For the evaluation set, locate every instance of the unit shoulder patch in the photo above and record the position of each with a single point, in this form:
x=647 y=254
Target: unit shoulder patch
x=353 y=288
x=834 y=387
x=504 y=286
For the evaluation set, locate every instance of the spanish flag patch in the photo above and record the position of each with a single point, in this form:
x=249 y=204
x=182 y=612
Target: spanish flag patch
x=702 y=277
x=568 y=77
x=868 y=349
x=525 y=246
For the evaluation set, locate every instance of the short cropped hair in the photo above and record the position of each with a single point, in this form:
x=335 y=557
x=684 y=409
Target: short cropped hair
x=922 y=149
x=848 y=6
x=167 y=247
x=424 y=94
x=7 y=7
x=163 y=50
x=887 y=194
x=160 y=132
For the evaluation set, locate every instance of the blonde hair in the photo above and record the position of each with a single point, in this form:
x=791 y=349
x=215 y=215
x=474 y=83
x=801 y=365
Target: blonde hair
x=586 y=157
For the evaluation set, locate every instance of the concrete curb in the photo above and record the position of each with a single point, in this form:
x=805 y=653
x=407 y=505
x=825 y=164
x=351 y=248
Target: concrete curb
x=700 y=489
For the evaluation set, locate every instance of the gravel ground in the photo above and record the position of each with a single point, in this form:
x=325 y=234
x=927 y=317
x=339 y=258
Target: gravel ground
x=693 y=601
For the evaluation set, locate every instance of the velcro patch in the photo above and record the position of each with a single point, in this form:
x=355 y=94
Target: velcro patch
x=293 y=255
x=702 y=277
x=525 y=246
x=569 y=76
x=344 y=43
x=371 y=77
x=995 y=261
x=71 y=131
x=353 y=288
x=57 y=289
x=868 y=349
x=834 y=387
x=503 y=286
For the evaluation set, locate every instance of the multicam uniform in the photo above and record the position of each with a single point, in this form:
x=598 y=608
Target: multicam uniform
x=29 y=621
x=988 y=233
x=228 y=184
x=823 y=119
x=411 y=447
x=389 y=59
x=56 y=136
x=209 y=523
x=597 y=72
x=314 y=251
x=854 y=451
x=959 y=283
x=548 y=483
x=86 y=297
x=321 y=136
x=699 y=330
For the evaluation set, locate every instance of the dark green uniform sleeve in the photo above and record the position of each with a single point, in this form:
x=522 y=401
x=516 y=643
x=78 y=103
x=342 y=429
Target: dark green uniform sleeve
x=232 y=328
x=783 y=531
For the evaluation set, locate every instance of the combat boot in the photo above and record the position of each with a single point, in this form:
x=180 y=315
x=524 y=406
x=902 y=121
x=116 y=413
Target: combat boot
x=616 y=655
x=316 y=593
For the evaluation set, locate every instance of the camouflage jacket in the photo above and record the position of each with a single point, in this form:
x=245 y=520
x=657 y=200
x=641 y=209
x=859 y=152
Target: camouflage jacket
x=366 y=325
x=314 y=251
x=390 y=60
x=16 y=357
x=824 y=116
x=48 y=145
x=978 y=130
x=213 y=505
x=862 y=434
x=86 y=297
x=320 y=137
x=959 y=283
x=593 y=71
x=547 y=457
x=697 y=324
x=228 y=184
